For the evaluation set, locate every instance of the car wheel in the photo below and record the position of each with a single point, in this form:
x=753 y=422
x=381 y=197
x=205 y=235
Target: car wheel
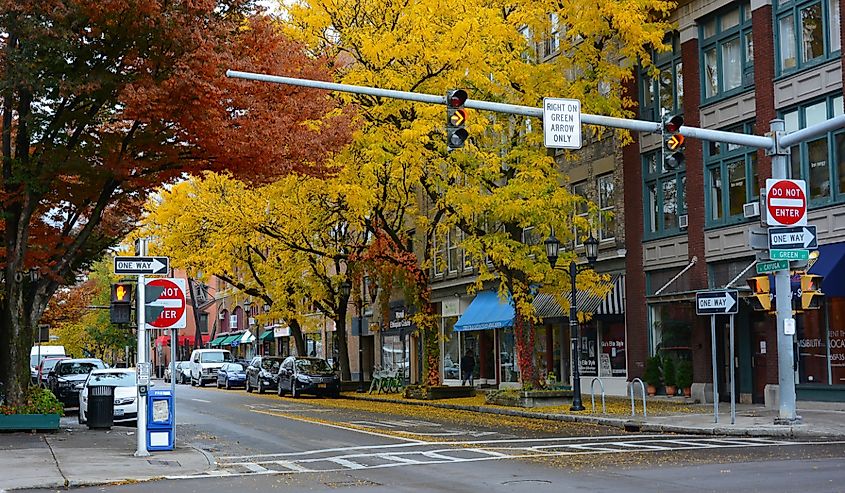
x=218 y=384
x=82 y=421
x=247 y=387
x=193 y=382
x=228 y=385
x=293 y=392
x=200 y=382
x=260 y=387
x=280 y=390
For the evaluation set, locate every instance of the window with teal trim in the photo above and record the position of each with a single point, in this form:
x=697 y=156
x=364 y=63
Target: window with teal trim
x=819 y=161
x=666 y=93
x=807 y=33
x=664 y=196
x=731 y=178
x=727 y=52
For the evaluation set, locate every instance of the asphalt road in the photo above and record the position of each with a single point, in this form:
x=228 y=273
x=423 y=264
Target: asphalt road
x=264 y=442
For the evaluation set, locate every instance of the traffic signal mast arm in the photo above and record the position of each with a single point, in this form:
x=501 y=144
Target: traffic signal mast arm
x=756 y=141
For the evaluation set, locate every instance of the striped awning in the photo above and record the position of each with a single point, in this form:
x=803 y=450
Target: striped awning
x=614 y=302
x=546 y=306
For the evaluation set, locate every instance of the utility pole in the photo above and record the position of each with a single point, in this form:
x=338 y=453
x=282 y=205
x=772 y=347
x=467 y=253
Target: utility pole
x=143 y=357
x=776 y=144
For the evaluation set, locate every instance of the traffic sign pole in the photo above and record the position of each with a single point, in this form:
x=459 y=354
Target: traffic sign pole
x=715 y=369
x=142 y=358
x=783 y=299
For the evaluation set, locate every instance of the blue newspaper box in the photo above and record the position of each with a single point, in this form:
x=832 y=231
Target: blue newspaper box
x=160 y=422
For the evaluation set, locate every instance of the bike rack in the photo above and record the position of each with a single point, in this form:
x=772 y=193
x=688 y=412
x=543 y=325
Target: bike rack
x=593 y=395
x=642 y=386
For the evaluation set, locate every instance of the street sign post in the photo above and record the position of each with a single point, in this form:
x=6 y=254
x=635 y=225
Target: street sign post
x=165 y=303
x=772 y=266
x=793 y=238
x=786 y=202
x=141 y=265
x=789 y=254
x=716 y=302
x=561 y=123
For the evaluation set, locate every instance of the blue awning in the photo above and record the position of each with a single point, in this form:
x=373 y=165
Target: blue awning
x=486 y=311
x=831 y=267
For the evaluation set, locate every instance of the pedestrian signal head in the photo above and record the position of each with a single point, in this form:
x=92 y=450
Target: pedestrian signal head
x=121 y=293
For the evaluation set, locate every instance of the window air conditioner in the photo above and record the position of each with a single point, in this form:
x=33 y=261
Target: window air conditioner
x=682 y=221
x=751 y=209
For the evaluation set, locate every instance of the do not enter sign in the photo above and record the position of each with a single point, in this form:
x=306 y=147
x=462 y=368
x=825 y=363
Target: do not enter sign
x=164 y=303
x=786 y=202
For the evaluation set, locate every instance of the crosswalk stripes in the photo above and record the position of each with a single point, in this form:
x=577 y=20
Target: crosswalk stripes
x=426 y=453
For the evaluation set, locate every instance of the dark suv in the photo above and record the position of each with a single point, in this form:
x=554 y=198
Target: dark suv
x=64 y=377
x=262 y=373
x=299 y=375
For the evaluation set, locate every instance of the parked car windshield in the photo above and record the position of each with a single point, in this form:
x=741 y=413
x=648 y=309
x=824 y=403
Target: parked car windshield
x=78 y=368
x=313 y=366
x=48 y=364
x=215 y=357
x=235 y=367
x=122 y=379
x=271 y=364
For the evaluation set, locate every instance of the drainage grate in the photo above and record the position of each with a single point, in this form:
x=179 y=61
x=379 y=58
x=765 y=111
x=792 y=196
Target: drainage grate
x=163 y=462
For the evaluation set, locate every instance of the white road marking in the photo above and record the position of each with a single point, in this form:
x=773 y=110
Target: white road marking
x=347 y=463
x=347 y=428
x=202 y=400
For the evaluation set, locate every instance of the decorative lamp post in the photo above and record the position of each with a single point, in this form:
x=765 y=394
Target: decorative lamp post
x=591 y=247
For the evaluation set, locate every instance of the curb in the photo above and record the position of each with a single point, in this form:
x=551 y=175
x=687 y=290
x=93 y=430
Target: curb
x=627 y=424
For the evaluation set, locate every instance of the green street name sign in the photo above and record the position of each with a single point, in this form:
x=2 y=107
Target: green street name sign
x=789 y=254
x=774 y=265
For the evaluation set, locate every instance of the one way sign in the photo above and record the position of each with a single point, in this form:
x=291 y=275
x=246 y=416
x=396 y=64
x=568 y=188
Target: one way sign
x=716 y=302
x=141 y=265
x=793 y=238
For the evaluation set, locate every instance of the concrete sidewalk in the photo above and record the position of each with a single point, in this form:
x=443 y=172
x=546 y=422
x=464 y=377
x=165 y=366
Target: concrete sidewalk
x=76 y=456
x=820 y=419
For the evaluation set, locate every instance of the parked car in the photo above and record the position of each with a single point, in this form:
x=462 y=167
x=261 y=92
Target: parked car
x=38 y=354
x=42 y=371
x=205 y=363
x=262 y=373
x=183 y=372
x=300 y=375
x=179 y=365
x=231 y=375
x=125 y=393
x=64 y=377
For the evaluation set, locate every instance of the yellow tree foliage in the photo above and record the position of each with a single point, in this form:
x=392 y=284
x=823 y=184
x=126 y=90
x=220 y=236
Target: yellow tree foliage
x=398 y=172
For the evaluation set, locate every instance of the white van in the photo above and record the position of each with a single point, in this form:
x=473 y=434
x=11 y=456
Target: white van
x=40 y=352
x=204 y=364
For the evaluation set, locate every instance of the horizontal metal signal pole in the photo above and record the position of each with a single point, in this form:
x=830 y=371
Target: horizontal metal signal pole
x=816 y=130
x=513 y=109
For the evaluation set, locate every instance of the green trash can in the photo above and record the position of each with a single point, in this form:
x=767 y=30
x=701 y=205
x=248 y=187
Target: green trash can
x=100 y=413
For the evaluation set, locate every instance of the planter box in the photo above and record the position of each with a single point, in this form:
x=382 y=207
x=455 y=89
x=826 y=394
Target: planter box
x=29 y=422
x=438 y=392
x=532 y=398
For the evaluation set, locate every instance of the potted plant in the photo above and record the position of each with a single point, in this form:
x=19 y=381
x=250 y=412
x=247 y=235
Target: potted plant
x=669 y=376
x=684 y=377
x=39 y=411
x=652 y=374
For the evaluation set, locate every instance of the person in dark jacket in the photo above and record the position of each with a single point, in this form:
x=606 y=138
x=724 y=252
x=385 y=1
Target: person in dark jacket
x=467 y=367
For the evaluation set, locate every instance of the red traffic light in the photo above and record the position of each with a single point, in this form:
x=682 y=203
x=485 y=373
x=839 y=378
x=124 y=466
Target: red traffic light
x=456 y=98
x=674 y=124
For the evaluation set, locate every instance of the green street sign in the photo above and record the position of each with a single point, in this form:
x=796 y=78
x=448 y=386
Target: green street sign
x=774 y=265
x=789 y=254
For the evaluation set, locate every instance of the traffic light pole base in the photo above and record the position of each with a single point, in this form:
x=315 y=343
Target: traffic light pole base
x=797 y=420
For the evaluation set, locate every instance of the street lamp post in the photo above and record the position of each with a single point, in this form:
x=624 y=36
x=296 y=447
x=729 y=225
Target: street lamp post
x=591 y=246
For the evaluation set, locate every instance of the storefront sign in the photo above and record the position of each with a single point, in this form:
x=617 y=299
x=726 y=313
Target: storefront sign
x=281 y=331
x=451 y=307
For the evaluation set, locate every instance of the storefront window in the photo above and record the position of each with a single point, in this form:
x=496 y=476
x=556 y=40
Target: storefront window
x=470 y=341
x=836 y=337
x=812 y=353
x=588 y=359
x=314 y=345
x=451 y=349
x=613 y=350
x=671 y=325
x=393 y=354
x=508 y=366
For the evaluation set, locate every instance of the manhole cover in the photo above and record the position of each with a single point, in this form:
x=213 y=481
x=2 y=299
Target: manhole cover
x=162 y=462
x=351 y=483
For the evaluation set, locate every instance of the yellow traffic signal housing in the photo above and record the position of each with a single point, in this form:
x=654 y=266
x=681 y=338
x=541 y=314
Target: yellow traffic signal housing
x=456 y=117
x=811 y=295
x=761 y=297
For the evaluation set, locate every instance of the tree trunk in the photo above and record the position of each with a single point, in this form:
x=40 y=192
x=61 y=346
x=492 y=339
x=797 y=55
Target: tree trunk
x=342 y=347
x=298 y=338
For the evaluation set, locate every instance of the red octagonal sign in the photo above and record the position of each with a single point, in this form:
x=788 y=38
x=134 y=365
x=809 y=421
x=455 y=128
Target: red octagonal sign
x=165 y=303
x=786 y=202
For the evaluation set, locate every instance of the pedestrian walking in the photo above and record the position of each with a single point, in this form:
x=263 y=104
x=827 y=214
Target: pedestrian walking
x=467 y=367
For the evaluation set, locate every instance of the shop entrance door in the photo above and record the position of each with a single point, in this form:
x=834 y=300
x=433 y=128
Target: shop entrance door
x=759 y=353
